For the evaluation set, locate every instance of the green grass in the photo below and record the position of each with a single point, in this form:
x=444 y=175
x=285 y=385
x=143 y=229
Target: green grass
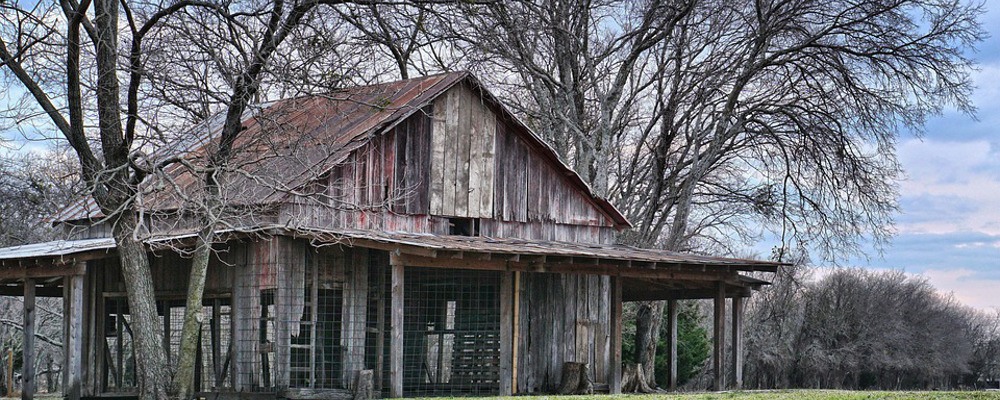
x=781 y=395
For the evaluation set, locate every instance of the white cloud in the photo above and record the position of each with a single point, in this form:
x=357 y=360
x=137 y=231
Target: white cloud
x=961 y=175
x=967 y=286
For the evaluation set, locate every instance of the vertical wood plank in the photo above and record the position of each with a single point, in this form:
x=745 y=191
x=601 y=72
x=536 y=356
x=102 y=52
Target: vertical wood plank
x=283 y=306
x=719 y=336
x=507 y=325
x=516 y=332
x=463 y=138
x=672 y=311
x=489 y=127
x=450 y=144
x=737 y=346
x=355 y=312
x=615 y=377
x=527 y=357
x=439 y=140
x=28 y=345
x=73 y=347
x=423 y=160
x=476 y=135
x=396 y=327
x=603 y=334
x=94 y=344
x=401 y=190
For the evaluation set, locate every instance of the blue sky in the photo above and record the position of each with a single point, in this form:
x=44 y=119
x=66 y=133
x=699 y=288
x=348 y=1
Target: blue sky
x=949 y=228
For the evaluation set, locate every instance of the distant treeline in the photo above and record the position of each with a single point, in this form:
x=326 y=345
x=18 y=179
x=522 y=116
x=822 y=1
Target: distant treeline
x=845 y=329
x=864 y=329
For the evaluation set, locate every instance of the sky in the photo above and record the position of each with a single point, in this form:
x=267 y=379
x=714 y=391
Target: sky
x=949 y=225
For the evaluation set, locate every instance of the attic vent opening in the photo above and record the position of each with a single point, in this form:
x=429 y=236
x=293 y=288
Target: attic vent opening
x=463 y=226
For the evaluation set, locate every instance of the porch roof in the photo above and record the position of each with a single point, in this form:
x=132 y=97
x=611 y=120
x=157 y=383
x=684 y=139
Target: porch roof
x=512 y=249
x=647 y=274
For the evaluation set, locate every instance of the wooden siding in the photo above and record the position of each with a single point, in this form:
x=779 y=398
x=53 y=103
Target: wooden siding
x=562 y=318
x=454 y=158
x=482 y=167
x=462 y=168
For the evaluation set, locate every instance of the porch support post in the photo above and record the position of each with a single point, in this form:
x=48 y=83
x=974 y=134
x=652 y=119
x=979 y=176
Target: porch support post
x=28 y=349
x=396 y=329
x=73 y=342
x=507 y=333
x=719 y=336
x=672 y=311
x=615 y=370
x=737 y=342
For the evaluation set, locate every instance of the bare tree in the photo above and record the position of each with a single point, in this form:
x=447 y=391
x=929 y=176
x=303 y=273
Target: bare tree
x=723 y=115
x=35 y=37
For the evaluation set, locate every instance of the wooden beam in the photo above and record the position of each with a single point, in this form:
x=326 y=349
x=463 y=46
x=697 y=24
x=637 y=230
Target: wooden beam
x=672 y=311
x=396 y=327
x=40 y=291
x=615 y=371
x=516 y=330
x=684 y=294
x=28 y=348
x=506 y=333
x=719 y=336
x=737 y=343
x=569 y=268
x=32 y=271
x=73 y=346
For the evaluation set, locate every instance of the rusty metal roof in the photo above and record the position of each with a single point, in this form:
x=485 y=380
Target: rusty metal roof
x=284 y=143
x=450 y=245
x=288 y=143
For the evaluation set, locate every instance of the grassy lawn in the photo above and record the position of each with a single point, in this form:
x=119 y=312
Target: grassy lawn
x=782 y=395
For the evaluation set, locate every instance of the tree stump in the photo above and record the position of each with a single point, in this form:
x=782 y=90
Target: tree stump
x=576 y=379
x=364 y=385
x=586 y=385
x=570 y=378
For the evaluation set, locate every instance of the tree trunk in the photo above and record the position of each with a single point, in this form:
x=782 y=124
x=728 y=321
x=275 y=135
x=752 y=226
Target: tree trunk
x=193 y=316
x=647 y=333
x=151 y=370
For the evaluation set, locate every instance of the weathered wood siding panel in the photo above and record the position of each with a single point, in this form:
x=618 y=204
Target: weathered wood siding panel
x=548 y=231
x=561 y=320
x=463 y=137
x=532 y=189
x=456 y=158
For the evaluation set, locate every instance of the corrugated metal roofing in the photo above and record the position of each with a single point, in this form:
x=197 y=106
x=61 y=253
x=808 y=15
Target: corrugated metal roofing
x=289 y=142
x=56 y=248
x=477 y=244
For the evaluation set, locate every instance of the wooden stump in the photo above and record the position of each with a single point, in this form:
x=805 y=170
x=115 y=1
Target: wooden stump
x=586 y=385
x=576 y=379
x=364 y=385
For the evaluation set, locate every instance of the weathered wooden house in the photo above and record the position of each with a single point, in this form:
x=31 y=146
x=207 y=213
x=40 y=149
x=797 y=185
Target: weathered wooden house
x=416 y=229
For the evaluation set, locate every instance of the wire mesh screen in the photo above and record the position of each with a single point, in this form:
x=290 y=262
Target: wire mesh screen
x=451 y=333
x=308 y=322
x=214 y=354
x=119 y=352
